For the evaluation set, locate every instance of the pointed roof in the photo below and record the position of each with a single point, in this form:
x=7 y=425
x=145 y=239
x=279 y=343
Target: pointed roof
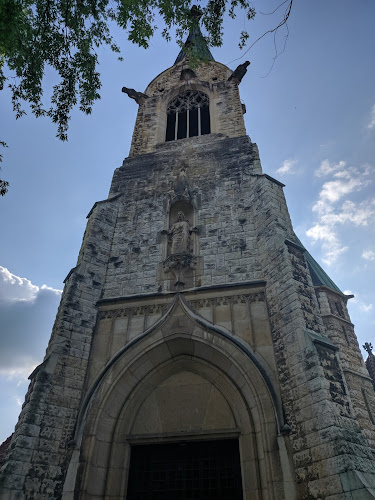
x=198 y=43
x=318 y=275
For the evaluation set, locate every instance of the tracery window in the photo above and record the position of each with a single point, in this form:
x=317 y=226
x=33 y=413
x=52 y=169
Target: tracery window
x=188 y=115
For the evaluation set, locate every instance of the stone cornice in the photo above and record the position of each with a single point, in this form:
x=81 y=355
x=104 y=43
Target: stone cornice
x=158 y=295
x=330 y=315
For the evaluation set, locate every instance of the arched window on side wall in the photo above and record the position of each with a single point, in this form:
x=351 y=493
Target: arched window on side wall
x=188 y=115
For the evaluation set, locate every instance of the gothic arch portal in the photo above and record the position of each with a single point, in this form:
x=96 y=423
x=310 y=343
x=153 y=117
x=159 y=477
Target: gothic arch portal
x=116 y=415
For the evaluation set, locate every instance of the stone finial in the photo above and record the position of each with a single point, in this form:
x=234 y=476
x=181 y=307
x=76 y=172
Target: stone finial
x=370 y=361
x=368 y=348
x=196 y=12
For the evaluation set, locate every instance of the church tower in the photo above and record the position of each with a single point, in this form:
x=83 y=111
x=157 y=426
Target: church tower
x=199 y=351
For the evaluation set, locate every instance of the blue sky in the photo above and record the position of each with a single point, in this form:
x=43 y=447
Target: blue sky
x=312 y=116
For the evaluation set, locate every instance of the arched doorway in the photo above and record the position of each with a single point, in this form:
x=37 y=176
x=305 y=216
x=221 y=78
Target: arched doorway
x=180 y=383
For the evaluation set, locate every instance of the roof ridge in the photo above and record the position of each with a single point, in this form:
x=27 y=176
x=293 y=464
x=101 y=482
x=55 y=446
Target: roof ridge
x=318 y=274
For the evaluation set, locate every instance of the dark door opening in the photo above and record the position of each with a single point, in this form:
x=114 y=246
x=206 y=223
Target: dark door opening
x=195 y=470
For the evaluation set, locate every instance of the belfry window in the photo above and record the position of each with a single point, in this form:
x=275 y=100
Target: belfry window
x=188 y=115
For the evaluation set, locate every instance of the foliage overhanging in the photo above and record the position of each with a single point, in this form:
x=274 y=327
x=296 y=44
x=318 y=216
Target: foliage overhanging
x=65 y=35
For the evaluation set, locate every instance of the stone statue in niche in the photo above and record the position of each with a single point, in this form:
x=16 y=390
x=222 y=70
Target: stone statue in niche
x=180 y=234
x=180 y=261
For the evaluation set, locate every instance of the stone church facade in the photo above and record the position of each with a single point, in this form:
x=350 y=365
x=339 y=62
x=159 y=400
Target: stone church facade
x=199 y=351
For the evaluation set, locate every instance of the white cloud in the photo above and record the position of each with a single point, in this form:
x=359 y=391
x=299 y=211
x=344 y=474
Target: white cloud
x=333 y=191
x=286 y=167
x=358 y=214
x=359 y=302
x=327 y=168
x=14 y=289
x=368 y=255
x=331 y=244
x=330 y=214
x=366 y=307
x=21 y=372
x=372 y=118
x=54 y=290
x=27 y=313
x=321 y=232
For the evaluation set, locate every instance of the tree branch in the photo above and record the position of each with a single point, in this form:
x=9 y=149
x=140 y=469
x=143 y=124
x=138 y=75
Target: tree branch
x=284 y=21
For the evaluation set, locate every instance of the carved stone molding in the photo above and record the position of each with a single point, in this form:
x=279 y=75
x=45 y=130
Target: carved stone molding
x=133 y=311
x=234 y=299
x=178 y=264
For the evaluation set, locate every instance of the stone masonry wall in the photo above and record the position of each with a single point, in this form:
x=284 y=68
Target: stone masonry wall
x=326 y=439
x=212 y=78
x=340 y=331
x=218 y=175
x=40 y=450
x=246 y=233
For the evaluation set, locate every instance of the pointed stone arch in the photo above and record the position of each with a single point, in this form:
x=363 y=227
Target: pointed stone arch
x=188 y=115
x=181 y=342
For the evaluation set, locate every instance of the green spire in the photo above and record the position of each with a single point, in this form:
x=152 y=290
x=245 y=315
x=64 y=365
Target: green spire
x=195 y=40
